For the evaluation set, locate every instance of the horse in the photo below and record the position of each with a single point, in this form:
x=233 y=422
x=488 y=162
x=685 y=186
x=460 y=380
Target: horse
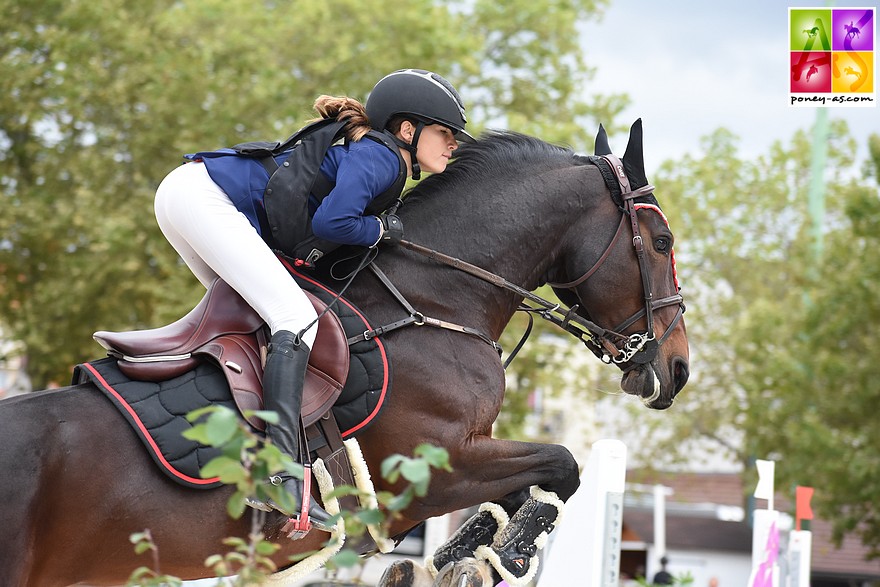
x=852 y=31
x=77 y=483
x=850 y=71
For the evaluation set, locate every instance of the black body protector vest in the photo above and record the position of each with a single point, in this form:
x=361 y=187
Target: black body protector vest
x=286 y=198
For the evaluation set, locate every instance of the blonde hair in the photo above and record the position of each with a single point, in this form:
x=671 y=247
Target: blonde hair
x=348 y=109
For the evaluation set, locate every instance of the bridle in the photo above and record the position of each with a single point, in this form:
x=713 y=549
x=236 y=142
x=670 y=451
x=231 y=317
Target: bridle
x=639 y=348
x=611 y=346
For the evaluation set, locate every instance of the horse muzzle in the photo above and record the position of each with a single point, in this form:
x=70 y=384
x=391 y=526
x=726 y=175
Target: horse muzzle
x=656 y=386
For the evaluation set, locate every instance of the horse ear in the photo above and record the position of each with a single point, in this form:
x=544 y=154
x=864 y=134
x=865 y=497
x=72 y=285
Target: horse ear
x=602 y=147
x=633 y=158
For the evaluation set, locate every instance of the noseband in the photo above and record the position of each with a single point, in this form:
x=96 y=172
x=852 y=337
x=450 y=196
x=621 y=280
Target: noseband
x=639 y=348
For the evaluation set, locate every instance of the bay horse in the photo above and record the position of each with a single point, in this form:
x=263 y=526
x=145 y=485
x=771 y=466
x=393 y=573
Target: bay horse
x=76 y=482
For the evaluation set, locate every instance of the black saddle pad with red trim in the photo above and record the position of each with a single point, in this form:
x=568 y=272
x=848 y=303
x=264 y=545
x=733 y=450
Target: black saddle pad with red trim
x=157 y=411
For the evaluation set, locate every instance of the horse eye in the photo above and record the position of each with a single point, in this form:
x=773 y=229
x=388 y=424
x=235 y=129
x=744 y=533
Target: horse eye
x=661 y=244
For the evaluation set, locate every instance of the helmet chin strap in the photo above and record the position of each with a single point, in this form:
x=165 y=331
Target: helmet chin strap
x=412 y=147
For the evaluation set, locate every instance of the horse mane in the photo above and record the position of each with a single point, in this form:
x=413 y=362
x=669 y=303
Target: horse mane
x=503 y=153
x=495 y=154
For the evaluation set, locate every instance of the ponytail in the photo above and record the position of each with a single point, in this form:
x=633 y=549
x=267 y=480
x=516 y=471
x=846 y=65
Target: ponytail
x=348 y=109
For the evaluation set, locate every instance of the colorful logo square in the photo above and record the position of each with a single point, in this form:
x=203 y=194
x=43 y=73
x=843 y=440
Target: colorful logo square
x=831 y=56
x=810 y=72
x=852 y=72
x=852 y=29
x=810 y=29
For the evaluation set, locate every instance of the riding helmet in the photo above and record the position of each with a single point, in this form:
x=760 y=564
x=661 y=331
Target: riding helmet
x=421 y=94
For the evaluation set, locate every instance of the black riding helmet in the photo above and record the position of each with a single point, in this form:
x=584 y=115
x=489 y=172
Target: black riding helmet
x=421 y=95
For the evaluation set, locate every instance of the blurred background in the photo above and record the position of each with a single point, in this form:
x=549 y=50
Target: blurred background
x=776 y=209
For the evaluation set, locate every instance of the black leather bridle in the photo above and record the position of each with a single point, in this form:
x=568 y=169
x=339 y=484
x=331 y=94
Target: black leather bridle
x=639 y=348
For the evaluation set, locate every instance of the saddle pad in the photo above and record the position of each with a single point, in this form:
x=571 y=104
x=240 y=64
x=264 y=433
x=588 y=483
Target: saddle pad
x=157 y=411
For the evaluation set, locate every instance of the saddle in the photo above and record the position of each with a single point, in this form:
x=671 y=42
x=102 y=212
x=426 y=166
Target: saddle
x=224 y=329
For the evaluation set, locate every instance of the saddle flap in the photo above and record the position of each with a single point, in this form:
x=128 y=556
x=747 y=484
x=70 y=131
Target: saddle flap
x=242 y=359
x=328 y=365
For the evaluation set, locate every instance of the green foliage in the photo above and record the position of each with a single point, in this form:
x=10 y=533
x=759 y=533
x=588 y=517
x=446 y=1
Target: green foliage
x=248 y=560
x=416 y=471
x=246 y=462
x=146 y=576
x=811 y=407
x=99 y=99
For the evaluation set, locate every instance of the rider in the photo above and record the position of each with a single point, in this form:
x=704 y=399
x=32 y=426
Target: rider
x=210 y=210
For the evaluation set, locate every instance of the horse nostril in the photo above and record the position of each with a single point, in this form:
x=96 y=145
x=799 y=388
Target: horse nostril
x=680 y=374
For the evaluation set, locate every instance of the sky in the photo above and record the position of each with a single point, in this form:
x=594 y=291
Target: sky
x=692 y=66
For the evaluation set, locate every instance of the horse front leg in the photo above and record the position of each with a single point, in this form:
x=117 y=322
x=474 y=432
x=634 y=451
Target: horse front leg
x=482 y=529
x=509 y=545
x=527 y=480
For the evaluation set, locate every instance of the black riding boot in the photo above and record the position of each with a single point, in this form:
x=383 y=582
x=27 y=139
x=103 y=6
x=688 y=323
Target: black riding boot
x=283 y=380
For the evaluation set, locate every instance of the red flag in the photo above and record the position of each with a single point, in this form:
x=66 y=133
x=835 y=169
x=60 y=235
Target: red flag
x=803 y=511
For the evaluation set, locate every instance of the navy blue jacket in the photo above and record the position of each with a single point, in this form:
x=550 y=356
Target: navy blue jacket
x=361 y=171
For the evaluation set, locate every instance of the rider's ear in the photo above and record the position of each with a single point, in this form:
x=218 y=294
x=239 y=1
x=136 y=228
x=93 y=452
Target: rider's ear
x=633 y=158
x=406 y=132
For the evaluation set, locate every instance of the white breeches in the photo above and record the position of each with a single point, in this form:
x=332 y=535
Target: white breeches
x=216 y=240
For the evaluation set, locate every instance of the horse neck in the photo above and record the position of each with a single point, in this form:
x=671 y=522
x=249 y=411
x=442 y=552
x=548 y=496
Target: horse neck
x=512 y=227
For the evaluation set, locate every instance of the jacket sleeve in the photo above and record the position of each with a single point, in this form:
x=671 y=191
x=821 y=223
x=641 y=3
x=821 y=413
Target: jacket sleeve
x=362 y=174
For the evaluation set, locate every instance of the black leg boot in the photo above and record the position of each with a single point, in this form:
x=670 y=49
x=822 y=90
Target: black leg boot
x=481 y=529
x=283 y=380
x=514 y=553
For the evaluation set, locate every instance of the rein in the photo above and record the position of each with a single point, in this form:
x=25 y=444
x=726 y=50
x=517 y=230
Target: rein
x=611 y=346
x=415 y=317
x=568 y=320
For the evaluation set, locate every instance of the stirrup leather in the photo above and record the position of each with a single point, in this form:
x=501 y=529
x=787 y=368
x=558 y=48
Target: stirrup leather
x=299 y=525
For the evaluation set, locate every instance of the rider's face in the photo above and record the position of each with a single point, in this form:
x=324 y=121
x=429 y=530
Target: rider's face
x=435 y=146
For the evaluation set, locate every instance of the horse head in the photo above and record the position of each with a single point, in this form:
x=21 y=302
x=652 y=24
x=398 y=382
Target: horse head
x=624 y=280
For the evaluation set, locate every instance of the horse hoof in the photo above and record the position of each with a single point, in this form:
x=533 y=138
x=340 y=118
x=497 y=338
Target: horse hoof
x=405 y=574
x=468 y=572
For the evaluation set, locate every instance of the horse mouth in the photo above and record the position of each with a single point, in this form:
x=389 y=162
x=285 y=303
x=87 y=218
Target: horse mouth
x=644 y=382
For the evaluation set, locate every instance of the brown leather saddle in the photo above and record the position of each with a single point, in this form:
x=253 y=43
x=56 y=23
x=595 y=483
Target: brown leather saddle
x=225 y=329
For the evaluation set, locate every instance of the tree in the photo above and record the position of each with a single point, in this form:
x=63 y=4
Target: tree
x=812 y=406
x=99 y=99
